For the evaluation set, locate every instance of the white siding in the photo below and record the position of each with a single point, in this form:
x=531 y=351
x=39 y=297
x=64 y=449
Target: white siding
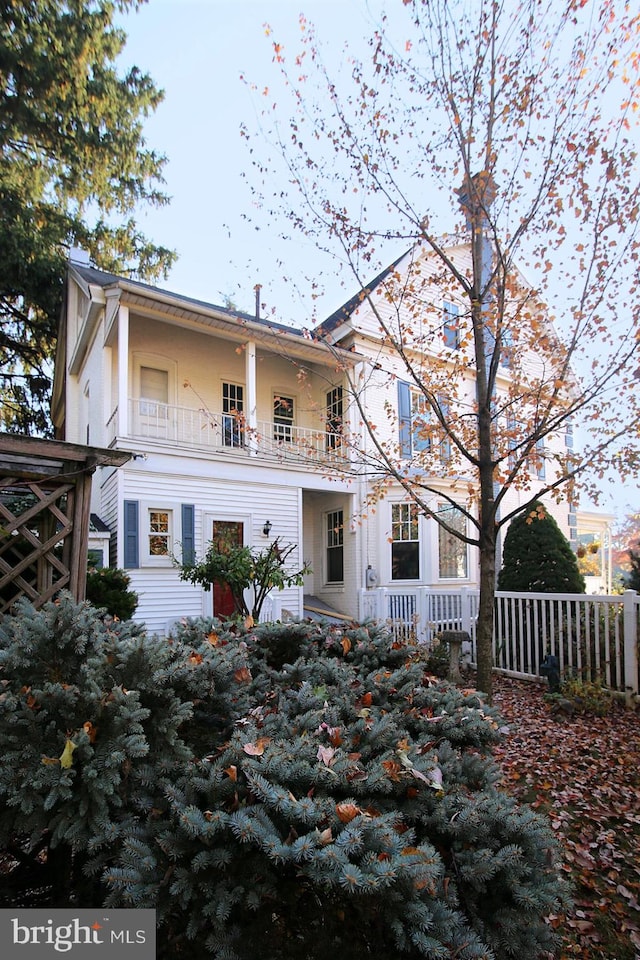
x=162 y=595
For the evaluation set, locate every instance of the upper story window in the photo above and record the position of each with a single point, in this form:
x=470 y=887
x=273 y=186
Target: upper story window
x=334 y=418
x=452 y=551
x=539 y=460
x=568 y=437
x=418 y=427
x=405 y=542
x=232 y=414
x=450 y=325
x=420 y=420
x=283 y=418
x=154 y=392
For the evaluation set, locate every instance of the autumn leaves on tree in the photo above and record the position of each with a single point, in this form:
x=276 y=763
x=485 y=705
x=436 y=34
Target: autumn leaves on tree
x=474 y=142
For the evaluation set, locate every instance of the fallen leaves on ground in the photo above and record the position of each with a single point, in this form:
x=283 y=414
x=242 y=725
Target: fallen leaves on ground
x=583 y=772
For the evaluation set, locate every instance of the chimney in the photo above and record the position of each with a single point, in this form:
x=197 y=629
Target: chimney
x=258 y=289
x=476 y=196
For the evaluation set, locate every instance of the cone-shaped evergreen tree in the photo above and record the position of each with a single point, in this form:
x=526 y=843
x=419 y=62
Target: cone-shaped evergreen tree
x=537 y=557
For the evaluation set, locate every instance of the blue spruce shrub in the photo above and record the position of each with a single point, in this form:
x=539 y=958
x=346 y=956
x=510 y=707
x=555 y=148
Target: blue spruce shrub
x=353 y=810
x=89 y=726
x=294 y=791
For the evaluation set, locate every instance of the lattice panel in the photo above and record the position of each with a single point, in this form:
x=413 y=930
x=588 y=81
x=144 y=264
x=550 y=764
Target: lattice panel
x=36 y=527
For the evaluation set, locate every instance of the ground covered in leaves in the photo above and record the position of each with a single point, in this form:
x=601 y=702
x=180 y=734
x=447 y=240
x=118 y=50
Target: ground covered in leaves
x=583 y=771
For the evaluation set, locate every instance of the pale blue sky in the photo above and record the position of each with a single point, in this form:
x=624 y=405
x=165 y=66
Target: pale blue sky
x=197 y=50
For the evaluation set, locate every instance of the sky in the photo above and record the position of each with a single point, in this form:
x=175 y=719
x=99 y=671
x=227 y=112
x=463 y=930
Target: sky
x=198 y=52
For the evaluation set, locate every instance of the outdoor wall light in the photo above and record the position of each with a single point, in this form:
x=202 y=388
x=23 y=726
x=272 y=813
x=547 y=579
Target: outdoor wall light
x=267 y=528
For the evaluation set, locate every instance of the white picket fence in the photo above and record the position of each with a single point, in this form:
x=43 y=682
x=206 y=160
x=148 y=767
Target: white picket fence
x=592 y=636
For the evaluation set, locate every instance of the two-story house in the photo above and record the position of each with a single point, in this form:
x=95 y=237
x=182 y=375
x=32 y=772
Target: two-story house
x=234 y=424
x=243 y=427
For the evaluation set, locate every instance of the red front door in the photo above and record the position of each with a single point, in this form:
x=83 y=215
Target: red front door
x=225 y=534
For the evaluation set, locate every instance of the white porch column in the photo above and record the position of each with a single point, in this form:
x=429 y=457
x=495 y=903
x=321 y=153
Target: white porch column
x=123 y=372
x=252 y=396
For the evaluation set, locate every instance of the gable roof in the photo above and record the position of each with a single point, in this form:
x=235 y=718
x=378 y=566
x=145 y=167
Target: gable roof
x=343 y=313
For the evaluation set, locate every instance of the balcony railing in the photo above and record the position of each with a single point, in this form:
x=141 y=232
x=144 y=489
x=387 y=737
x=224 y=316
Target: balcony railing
x=198 y=428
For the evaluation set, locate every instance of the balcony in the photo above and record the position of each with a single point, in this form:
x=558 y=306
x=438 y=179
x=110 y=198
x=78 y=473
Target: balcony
x=226 y=433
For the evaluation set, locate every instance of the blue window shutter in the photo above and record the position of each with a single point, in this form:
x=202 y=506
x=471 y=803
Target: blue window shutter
x=131 y=534
x=451 y=324
x=404 y=418
x=188 y=533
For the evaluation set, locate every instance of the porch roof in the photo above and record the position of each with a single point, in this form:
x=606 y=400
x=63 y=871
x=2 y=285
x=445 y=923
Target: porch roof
x=234 y=324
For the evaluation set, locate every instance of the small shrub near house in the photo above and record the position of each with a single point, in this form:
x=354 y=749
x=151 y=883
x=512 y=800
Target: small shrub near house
x=291 y=791
x=108 y=589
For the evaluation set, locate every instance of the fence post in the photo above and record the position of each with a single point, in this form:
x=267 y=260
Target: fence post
x=423 y=626
x=465 y=610
x=630 y=642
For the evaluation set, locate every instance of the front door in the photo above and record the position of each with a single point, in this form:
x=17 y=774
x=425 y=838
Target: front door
x=225 y=534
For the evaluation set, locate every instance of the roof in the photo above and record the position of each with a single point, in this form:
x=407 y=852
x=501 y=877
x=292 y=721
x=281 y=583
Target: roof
x=101 y=278
x=96 y=525
x=343 y=313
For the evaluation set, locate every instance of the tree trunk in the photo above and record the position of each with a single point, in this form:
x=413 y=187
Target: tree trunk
x=484 y=626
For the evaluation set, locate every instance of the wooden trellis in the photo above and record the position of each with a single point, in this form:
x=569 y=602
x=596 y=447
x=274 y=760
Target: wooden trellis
x=45 y=494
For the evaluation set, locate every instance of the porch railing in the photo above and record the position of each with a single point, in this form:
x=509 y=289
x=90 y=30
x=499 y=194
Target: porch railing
x=198 y=428
x=592 y=636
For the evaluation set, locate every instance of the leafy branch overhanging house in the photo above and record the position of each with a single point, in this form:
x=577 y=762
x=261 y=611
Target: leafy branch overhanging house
x=240 y=426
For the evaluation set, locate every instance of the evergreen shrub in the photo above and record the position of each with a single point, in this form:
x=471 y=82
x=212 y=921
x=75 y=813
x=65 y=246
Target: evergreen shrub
x=108 y=589
x=292 y=791
x=537 y=557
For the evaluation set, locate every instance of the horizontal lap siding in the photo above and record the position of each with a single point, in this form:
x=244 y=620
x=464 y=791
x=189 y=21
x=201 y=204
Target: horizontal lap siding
x=163 y=597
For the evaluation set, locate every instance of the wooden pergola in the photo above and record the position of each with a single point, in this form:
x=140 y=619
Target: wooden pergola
x=45 y=499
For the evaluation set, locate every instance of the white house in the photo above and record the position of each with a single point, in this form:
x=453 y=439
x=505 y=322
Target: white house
x=232 y=424
x=246 y=427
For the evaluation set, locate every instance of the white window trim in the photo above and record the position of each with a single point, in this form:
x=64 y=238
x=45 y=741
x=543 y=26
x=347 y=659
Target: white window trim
x=409 y=581
x=174 y=510
x=331 y=584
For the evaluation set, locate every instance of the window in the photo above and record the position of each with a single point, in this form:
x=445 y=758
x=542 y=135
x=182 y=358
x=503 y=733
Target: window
x=154 y=392
x=452 y=552
x=512 y=440
x=418 y=430
x=159 y=533
x=334 y=418
x=445 y=440
x=405 y=542
x=450 y=325
x=283 y=411
x=151 y=533
x=232 y=415
x=568 y=437
x=335 y=546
